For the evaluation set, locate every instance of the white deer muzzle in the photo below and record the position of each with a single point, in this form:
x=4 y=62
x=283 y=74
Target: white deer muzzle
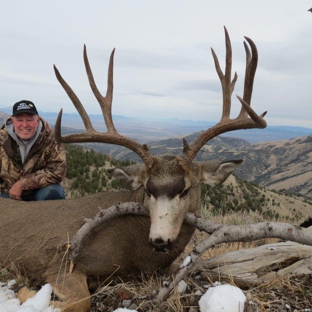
x=166 y=220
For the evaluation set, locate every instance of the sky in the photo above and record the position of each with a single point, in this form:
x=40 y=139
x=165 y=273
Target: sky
x=163 y=63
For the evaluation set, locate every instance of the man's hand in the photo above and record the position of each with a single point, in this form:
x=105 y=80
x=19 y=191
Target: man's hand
x=15 y=191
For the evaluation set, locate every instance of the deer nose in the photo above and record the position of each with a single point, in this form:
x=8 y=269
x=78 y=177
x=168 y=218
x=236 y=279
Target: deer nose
x=159 y=245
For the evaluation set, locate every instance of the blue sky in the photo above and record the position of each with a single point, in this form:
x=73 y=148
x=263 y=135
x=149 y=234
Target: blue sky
x=163 y=62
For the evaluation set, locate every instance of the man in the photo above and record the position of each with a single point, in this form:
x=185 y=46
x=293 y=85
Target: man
x=32 y=163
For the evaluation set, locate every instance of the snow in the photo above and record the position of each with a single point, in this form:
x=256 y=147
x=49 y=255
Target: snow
x=219 y=298
x=39 y=303
x=186 y=261
x=225 y=298
x=182 y=287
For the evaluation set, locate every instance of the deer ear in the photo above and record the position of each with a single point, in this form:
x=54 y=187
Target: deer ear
x=131 y=177
x=220 y=173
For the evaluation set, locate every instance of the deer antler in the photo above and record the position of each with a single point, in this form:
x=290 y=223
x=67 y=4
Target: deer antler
x=91 y=135
x=247 y=118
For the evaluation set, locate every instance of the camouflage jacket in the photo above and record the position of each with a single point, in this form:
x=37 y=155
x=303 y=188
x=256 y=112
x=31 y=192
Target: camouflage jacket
x=45 y=163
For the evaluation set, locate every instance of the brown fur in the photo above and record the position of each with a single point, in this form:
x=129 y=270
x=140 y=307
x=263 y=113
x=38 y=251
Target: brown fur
x=31 y=231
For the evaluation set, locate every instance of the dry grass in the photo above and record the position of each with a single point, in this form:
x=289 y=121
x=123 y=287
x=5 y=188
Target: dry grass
x=284 y=294
x=139 y=295
x=11 y=271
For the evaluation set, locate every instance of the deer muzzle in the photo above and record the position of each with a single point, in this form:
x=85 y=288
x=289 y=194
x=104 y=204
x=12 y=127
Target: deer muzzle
x=166 y=221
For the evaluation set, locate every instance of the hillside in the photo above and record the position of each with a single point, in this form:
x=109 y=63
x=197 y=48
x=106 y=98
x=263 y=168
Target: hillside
x=3 y=118
x=285 y=164
x=170 y=146
x=281 y=165
x=255 y=202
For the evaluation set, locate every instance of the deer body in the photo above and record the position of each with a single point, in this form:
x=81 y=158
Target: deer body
x=125 y=246
x=168 y=186
x=31 y=233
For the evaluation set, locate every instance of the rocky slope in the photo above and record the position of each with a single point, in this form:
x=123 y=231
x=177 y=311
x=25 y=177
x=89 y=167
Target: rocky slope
x=279 y=165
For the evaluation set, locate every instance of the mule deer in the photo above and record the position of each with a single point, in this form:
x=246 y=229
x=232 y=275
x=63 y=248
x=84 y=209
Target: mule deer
x=168 y=186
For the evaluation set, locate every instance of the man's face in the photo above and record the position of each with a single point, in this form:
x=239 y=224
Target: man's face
x=25 y=125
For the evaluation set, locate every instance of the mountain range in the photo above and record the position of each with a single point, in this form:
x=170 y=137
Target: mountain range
x=146 y=130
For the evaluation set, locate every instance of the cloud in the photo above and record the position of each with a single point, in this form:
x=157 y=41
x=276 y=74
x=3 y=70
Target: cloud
x=163 y=61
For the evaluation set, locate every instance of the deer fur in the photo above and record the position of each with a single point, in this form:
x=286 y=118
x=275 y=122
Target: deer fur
x=31 y=231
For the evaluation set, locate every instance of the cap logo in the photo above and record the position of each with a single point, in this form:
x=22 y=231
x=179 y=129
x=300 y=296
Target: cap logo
x=24 y=106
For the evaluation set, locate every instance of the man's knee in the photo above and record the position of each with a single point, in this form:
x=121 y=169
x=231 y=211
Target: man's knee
x=50 y=192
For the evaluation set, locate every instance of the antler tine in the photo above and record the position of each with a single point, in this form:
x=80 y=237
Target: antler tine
x=104 y=101
x=251 y=66
x=111 y=136
x=247 y=118
x=226 y=83
x=71 y=94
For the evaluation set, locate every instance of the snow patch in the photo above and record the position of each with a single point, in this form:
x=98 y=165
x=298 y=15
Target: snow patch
x=225 y=298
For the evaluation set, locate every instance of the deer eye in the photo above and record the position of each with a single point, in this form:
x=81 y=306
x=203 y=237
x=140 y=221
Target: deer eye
x=184 y=193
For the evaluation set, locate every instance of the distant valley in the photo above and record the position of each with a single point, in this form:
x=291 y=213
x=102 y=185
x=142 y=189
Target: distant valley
x=146 y=131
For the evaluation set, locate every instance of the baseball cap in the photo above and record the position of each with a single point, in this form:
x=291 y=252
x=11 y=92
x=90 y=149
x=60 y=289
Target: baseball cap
x=24 y=106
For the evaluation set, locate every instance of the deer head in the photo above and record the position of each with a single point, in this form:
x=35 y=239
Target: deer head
x=171 y=183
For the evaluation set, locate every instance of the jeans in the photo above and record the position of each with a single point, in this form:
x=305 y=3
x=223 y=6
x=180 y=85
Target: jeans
x=52 y=191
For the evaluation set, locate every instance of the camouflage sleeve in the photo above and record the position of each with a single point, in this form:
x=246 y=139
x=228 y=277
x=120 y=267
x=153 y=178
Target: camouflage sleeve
x=53 y=172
